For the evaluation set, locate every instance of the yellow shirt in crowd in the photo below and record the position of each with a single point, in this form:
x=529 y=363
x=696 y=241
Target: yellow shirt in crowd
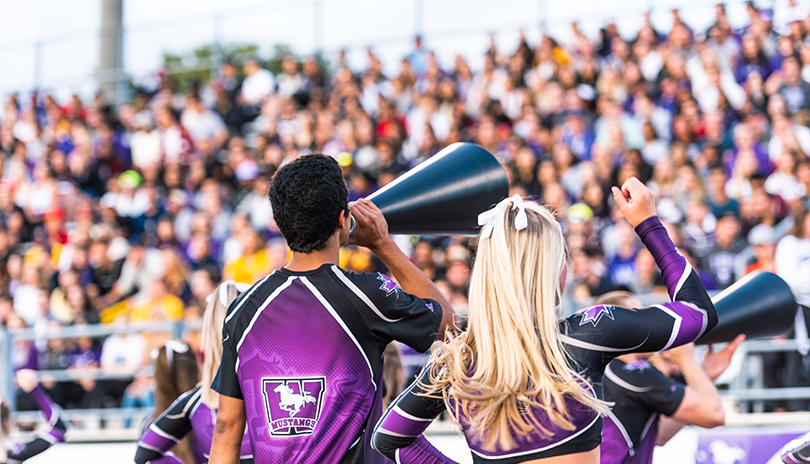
x=168 y=307
x=248 y=269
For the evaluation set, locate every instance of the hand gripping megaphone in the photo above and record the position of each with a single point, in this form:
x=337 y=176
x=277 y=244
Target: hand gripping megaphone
x=445 y=194
x=759 y=305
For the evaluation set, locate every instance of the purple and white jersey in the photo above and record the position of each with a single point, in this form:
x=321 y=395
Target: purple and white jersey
x=187 y=414
x=304 y=351
x=592 y=339
x=639 y=393
x=55 y=434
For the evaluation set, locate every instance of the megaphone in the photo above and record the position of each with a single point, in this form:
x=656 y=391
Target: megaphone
x=445 y=194
x=759 y=305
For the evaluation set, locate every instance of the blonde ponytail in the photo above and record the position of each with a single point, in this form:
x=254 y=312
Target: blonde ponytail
x=511 y=359
x=213 y=319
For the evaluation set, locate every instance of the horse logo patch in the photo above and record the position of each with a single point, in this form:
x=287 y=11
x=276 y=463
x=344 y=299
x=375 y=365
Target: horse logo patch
x=293 y=405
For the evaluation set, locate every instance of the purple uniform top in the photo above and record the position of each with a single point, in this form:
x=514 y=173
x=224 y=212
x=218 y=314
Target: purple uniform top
x=55 y=434
x=592 y=338
x=639 y=393
x=187 y=414
x=304 y=351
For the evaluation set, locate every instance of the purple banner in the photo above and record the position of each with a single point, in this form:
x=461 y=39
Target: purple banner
x=742 y=446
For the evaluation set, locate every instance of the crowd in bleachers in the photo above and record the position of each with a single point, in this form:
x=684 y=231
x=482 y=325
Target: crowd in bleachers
x=134 y=214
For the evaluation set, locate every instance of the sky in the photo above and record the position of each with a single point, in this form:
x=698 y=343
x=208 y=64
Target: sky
x=54 y=45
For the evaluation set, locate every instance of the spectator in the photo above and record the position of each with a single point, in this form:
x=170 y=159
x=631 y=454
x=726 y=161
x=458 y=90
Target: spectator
x=793 y=256
x=121 y=354
x=203 y=125
x=784 y=369
x=253 y=262
x=762 y=238
x=622 y=266
x=648 y=278
x=721 y=258
x=794 y=90
x=258 y=83
x=783 y=181
x=290 y=81
x=161 y=305
x=24 y=353
x=719 y=200
x=86 y=358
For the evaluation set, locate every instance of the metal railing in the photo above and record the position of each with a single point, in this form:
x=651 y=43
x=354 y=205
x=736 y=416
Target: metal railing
x=746 y=388
x=7 y=339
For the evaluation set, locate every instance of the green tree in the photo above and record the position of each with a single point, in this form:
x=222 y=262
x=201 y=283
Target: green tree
x=200 y=65
x=280 y=51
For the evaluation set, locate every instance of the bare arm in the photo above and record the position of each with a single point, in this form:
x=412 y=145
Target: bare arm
x=668 y=428
x=714 y=364
x=701 y=403
x=372 y=232
x=228 y=432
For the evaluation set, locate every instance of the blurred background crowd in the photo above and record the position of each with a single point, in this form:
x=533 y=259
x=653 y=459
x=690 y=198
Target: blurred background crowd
x=134 y=214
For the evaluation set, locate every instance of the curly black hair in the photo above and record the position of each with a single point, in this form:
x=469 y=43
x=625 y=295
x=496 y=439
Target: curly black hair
x=307 y=196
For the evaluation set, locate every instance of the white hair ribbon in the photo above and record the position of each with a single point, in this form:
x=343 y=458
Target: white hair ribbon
x=223 y=291
x=487 y=218
x=172 y=346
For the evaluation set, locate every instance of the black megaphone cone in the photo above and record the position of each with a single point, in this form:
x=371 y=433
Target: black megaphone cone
x=759 y=305
x=445 y=194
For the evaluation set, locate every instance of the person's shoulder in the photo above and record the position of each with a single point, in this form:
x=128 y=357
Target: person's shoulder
x=787 y=241
x=368 y=281
x=634 y=376
x=251 y=299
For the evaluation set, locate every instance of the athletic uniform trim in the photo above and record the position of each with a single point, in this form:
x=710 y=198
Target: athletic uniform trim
x=361 y=295
x=341 y=323
x=630 y=446
x=258 y=313
x=609 y=374
x=242 y=298
x=538 y=450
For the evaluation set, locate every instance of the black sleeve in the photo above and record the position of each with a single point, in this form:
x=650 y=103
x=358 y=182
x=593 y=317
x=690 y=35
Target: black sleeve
x=614 y=331
x=29 y=450
x=600 y=333
x=392 y=314
x=643 y=384
x=168 y=429
x=398 y=434
x=56 y=433
x=226 y=381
